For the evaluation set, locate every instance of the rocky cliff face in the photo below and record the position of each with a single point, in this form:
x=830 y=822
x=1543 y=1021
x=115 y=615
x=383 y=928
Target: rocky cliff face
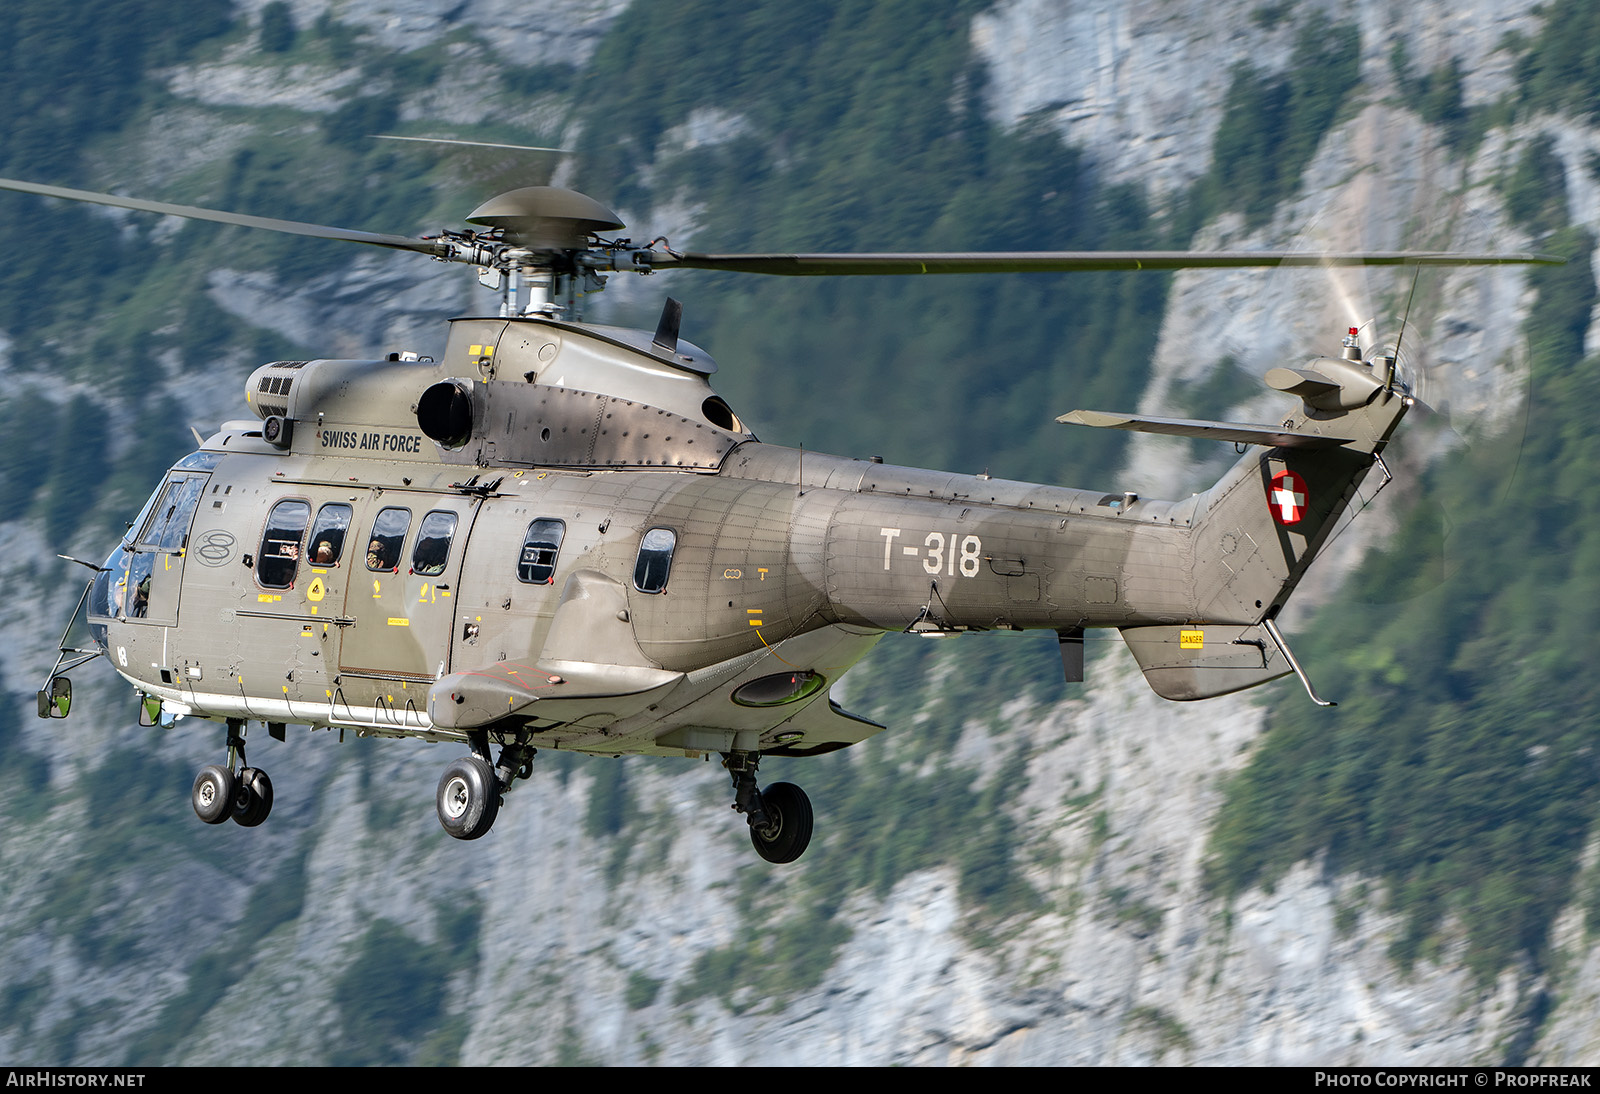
x=554 y=939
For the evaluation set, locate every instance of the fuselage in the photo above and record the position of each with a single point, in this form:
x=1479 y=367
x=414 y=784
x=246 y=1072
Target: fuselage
x=562 y=532
x=251 y=585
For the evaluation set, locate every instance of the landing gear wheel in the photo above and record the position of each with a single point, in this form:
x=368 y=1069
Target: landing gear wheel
x=787 y=831
x=212 y=796
x=468 y=799
x=252 y=797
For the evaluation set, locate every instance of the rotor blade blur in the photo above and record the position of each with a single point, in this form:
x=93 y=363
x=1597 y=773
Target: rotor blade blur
x=466 y=144
x=191 y=212
x=834 y=265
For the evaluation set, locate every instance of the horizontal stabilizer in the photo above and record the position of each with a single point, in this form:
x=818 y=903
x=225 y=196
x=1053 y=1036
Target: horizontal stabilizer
x=1199 y=661
x=1270 y=435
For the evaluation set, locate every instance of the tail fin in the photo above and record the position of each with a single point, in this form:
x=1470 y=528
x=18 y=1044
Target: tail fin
x=1258 y=529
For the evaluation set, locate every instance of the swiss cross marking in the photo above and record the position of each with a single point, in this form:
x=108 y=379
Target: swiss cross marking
x=1287 y=496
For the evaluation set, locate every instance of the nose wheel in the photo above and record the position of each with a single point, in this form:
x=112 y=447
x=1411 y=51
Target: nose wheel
x=212 y=795
x=235 y=790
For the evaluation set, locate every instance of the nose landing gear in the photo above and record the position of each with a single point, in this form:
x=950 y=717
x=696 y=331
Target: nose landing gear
x=236 y=790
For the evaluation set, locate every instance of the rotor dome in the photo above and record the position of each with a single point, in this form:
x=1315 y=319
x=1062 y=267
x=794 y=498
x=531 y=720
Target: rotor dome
x=545 y=217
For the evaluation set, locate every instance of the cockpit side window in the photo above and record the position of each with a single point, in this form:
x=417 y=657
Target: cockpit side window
x=156 y=523
x=655 y=560
x=280 y=543
x=432 y=551
x=176 y=535
x=326 y=545
x=540 y=546
x=166 y=524
x=388 y=536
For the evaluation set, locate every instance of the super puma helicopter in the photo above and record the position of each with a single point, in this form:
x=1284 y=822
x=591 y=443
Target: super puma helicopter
x=559 y=536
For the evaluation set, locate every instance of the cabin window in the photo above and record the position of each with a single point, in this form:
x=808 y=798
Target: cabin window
x=326 y=545
x=280 y=543
x=388 y=536
x=432 y=551
x=655 y=560
x=541 y=544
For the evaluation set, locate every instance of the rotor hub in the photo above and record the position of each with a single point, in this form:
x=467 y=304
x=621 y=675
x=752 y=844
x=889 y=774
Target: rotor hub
x=545 y=218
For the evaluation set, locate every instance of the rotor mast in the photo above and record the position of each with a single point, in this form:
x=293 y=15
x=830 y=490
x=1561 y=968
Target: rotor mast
x=546 y=231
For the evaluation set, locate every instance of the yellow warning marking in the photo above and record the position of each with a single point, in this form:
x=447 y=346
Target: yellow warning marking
x=286 y=689
x=267 y=598
x=313 y=609
x=399 y=622
x=377 y=593
x=474 y=350
x=169 y=562
x=423 y=599
x=1191 y=640
x=762 y=570
x=754 y=611
x=488 y=351
x=328 y=692
x=306 y=633
x=446 y=592
x=774 y=652
x=516 y=474
x=316 y=590
x=732 y=573
x=317 y=571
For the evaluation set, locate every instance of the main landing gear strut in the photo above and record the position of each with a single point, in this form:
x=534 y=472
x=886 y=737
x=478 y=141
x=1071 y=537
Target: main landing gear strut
x=780 y=816
x=238 y=791
x=471 y=788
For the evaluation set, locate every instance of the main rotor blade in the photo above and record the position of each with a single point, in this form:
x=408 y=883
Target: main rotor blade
x=468 y=144
x=192 y=212
x=815 y=265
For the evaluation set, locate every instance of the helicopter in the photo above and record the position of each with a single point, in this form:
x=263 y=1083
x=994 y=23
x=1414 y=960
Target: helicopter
x=559 y=536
